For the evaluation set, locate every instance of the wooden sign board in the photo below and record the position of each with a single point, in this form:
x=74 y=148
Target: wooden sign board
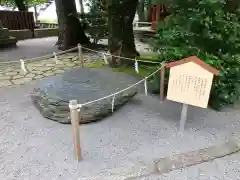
x=190 y=82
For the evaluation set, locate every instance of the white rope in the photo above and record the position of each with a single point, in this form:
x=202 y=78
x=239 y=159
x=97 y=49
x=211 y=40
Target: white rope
x=66 y=51
x=74 y=48
x=131 y=59
x=23 y=65
x=9 y=62
x=40 y=57
x=118 y=92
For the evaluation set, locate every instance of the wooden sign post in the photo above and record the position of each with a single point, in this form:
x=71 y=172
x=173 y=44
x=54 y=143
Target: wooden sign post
x=190 y=82
x=80 y=55
x=74 y=115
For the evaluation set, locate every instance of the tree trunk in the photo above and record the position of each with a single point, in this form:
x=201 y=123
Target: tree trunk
x=70 y=30
x=60 y=15
x=114 y=30
x=81 y=6
x=121 y=37
x=35 y=12
x=21 y=5
x=232 y=6
x=128 y=44
x=140 y=11
x=149 y=11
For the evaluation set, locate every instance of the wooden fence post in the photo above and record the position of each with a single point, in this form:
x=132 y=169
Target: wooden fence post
x=74 y=115
x=80 y=55
x=162 y=77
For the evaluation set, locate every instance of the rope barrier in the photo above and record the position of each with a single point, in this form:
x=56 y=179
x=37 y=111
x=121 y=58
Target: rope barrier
x=75 y=48
x=9 y=62
x=40 y=57
x=22 y=63
x=66 y=51
x=79 y=47
x=118 y=92
x=131 y=59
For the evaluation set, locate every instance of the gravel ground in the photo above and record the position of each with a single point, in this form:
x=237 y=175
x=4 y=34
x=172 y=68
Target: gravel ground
x=34 y=148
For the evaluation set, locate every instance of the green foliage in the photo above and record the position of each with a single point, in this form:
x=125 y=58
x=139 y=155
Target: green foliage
x=95 y=20
x=204 y=28
x=29 y=3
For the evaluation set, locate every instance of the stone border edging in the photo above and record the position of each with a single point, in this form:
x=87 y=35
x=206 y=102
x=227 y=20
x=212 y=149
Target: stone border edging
x=168 y=164
x=183 y=160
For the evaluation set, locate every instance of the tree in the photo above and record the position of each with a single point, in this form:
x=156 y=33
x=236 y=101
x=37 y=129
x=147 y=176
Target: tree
x=71 y=32
x=205 y=28
x=149 y=10
x=121 y=38
x=81 y=6
x=141 y=10
x=22 y=5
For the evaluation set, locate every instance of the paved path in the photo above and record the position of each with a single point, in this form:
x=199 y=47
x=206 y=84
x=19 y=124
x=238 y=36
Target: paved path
x=30 y=48
x=12 y=74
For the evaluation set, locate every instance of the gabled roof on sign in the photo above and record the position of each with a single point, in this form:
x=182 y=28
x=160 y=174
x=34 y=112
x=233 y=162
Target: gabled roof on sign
x=195 y=60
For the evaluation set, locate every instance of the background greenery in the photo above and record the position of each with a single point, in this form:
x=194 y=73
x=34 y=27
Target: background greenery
x=206 y=29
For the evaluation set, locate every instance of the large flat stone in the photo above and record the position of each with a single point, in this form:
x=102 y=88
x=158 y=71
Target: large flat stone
x=52 y=95
x=8 y=42
x=4 y=33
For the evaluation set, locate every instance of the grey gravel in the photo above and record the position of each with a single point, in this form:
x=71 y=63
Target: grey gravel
x=122 y=145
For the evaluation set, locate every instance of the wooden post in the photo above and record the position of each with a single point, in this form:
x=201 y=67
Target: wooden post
x=74 y=115
x=55 y=58
x=80 y=55
x=162 y=77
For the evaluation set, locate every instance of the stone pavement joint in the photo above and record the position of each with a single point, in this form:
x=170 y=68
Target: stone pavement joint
x=183 y=160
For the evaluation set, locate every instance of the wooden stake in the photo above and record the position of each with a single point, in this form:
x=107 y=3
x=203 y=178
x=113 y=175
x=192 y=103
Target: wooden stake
x=80 y=55
x=162 y=75
x=74 y=115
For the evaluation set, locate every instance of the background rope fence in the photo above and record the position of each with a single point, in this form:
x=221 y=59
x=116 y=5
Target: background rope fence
x=75 y=108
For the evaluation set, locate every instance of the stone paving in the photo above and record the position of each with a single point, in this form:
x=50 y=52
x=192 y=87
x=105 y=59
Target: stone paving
x=12 y=74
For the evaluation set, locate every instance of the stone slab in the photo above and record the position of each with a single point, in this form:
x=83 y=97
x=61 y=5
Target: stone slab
x=187 y=159
x=53 y=94
x=8 y=42
x=4 y=33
